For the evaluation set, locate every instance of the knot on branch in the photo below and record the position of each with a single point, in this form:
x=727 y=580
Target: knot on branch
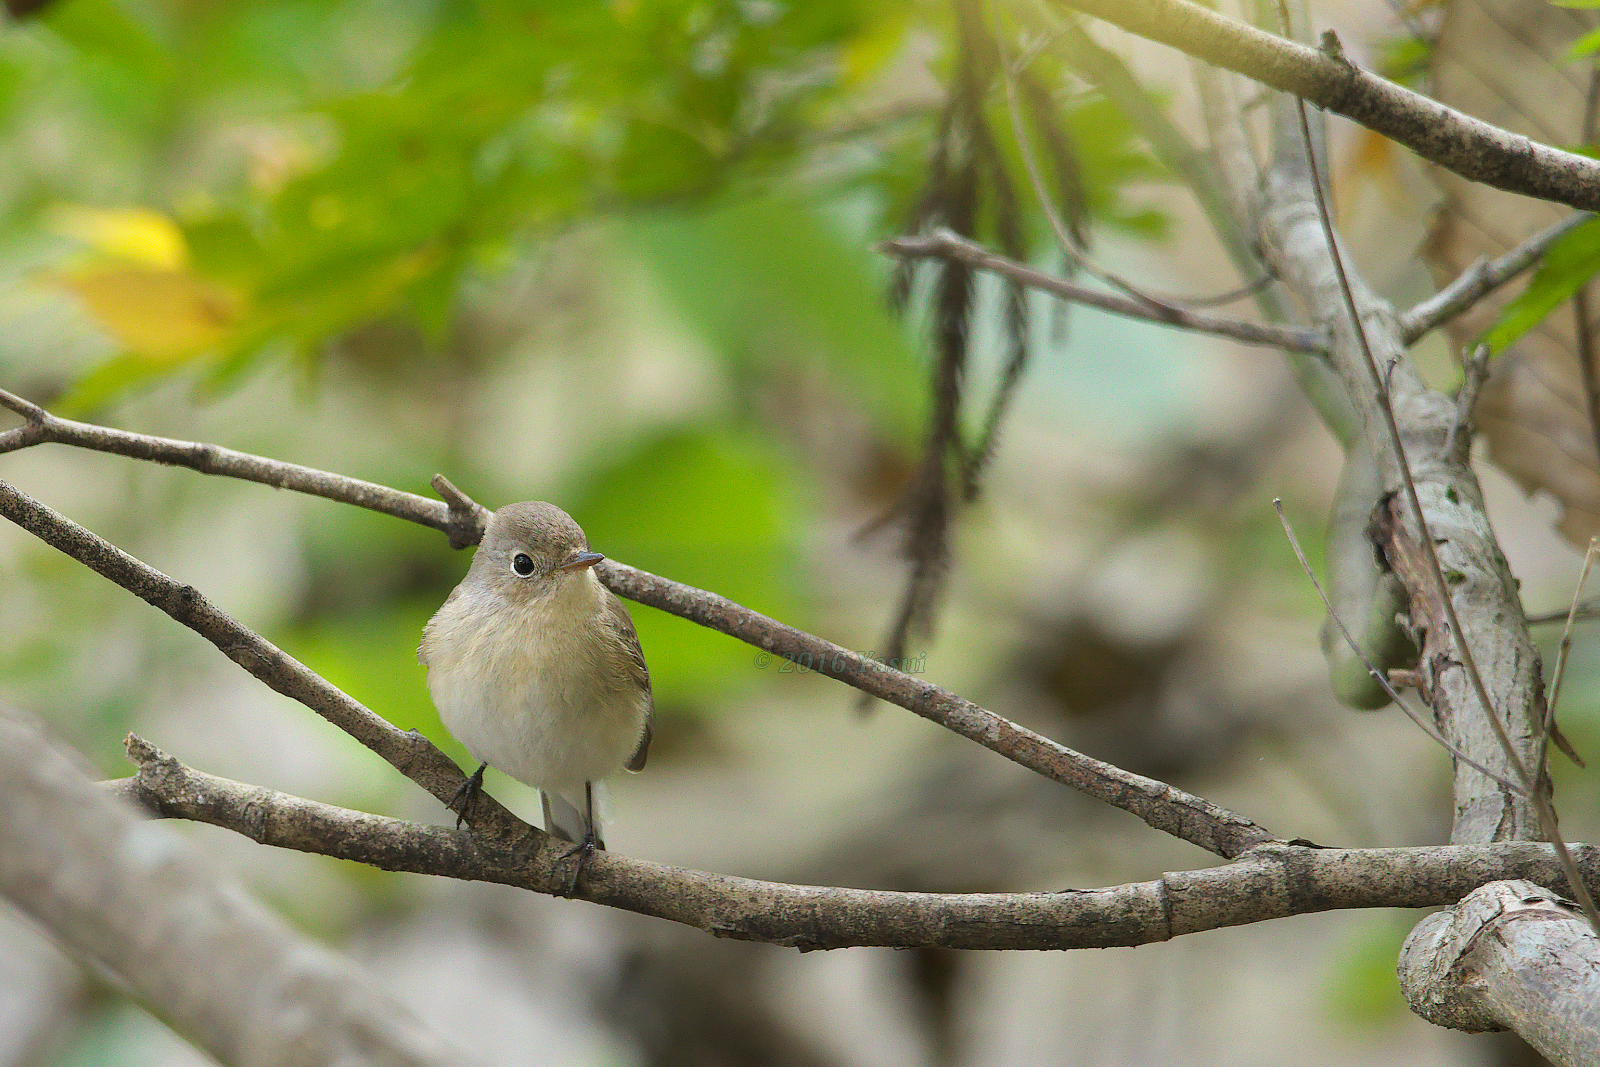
x=467 y=517
x=153 y=784
x=1333 y=48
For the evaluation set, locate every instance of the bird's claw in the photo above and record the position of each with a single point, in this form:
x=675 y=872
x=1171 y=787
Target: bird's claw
x=467 y=796
x=584 y=851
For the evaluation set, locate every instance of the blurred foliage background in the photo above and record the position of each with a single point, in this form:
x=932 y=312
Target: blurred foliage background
x=621 y=256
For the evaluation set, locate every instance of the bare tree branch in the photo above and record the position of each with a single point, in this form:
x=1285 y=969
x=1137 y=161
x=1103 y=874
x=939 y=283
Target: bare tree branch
x=1447 y=490
x=1170 y=810
x=459 y=517
x=1470 y=147
x=1272 y=881
x=1208 y=178
x=407 y=751
x=1511 y=956
x=1529 y=772
x=944 y=244
x=194 y=947
x=1011 y=70
x=43 y=427
x=1481 y=279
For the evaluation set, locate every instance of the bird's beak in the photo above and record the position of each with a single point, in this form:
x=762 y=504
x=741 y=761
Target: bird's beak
x=581 y=561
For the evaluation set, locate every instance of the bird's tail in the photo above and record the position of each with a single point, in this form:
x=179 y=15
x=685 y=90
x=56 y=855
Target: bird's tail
x=576 y=817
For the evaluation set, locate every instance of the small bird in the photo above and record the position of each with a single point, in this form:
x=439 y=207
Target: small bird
x=536 y=667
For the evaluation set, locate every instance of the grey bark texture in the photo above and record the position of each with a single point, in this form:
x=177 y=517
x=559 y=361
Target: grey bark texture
x=1269 y=882
x=1510 y=956
x=1428 y=441
x=129 y=895
x=1437 y=448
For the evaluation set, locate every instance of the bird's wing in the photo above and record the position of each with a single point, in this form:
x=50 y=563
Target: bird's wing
x=427 y=631
x=642 y=753
x=622 y=622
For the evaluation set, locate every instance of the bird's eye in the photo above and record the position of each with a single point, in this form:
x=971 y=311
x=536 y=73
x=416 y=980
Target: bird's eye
x=522 y=563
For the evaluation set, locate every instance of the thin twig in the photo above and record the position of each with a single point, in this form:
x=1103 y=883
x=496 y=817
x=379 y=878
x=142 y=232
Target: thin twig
x=1064 y=236
x=1270 y=882
x=407 y=751
x=1589 y=609
x=1206 y=175
x=1173 y=811
x=1378 y=676
x=1162 y=806
x=1474 y=373
x=213 y=459
x=1588 y=374
x=468 y=519
x=26 y=408
x=1558 y=674
x=943 y=244
x=1481 y=279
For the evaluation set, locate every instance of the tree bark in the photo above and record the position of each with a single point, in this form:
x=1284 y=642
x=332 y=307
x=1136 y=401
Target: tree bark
x=1510 y=956
x=133 y=897
x=1437 y=449
x=1470 y=147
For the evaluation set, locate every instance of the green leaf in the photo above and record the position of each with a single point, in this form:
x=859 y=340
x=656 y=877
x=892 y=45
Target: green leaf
x=110 y=382
x=1567 y=267
x=1585 y=46
x=1406 y=59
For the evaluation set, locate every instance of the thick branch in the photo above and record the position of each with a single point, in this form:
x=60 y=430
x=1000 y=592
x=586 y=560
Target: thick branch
x=137 y=900
x=1481 y=279
x=1511 y=956
x=1171 y=810
x=944 y=244
x=1481 y=585
x=1468 y=146
x=1271 y=882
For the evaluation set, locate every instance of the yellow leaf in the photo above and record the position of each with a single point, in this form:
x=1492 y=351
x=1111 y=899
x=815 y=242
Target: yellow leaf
x=168 y=315
x=131 y=235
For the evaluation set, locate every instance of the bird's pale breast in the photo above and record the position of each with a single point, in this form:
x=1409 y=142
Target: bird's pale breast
x=551 y=704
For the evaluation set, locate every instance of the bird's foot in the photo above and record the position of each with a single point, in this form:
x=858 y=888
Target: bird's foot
x=581 y=853
x=467 y=796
